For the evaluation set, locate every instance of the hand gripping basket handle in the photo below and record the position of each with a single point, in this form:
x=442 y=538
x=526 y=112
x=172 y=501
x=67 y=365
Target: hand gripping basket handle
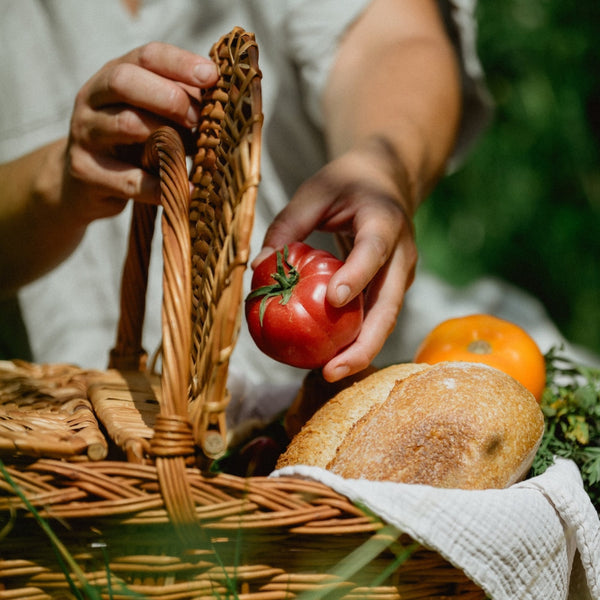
x=206 y=244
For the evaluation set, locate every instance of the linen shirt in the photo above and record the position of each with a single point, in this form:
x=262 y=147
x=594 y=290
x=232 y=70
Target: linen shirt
x=49 y=48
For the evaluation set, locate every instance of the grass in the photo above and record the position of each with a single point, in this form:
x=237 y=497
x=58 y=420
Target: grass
x=82 y=588
x=66 y=562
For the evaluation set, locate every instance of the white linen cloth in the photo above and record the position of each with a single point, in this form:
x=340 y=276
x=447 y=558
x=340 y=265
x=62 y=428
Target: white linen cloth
x=536 y=540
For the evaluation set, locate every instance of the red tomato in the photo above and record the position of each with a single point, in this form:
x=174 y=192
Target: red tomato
x=287 y=313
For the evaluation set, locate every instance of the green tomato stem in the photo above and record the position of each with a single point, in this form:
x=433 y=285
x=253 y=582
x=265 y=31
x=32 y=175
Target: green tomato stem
x=284 y=286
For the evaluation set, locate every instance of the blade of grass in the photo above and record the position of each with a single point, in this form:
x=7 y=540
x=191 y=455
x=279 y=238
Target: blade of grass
x=64 y=556
x=360 y=557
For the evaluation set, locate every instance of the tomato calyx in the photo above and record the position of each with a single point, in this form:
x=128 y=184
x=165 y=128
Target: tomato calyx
x=480 y=347
x=284 y=286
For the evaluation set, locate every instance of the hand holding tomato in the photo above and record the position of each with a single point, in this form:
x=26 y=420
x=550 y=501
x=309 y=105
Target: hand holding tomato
x=360 y=197
x=288 y=315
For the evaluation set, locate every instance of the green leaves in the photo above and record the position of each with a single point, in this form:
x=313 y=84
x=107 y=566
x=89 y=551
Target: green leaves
x=526 y=205
x=571 y=406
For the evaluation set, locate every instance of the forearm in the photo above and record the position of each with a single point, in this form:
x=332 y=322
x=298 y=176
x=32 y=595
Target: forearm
x=398 y=89
x=37 y=231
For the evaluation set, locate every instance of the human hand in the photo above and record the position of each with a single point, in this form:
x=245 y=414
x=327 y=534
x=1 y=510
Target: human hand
x=360 y=198
x=115 y=112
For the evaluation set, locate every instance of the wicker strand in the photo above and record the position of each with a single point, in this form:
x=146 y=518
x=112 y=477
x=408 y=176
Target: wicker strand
x=172 y=437
x=44 y=411
x=225 y=173
x=173 y=440
x=176 y=308
x=128 y=353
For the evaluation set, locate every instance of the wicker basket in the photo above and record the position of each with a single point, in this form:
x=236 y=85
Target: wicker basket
x=139 y=514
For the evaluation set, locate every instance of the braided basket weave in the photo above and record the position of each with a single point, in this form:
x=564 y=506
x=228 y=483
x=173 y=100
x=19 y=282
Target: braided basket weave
x=139 y=515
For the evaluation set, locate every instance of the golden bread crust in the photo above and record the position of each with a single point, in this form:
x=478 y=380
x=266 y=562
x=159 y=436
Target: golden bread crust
x=317 y=441
x=459 y=425
x=314 y=392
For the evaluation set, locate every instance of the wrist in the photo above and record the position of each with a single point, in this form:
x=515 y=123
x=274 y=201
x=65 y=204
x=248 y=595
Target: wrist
x=405 y=183
x=36 y=230
x=50 y=191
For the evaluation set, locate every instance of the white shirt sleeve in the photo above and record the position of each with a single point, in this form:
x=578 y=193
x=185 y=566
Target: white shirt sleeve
x=314 y=29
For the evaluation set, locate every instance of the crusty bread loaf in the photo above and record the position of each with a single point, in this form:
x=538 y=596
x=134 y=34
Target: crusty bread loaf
x=318 y=439
x=461 y=425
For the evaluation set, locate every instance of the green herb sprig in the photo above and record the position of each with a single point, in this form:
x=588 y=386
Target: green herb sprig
x=571 y=406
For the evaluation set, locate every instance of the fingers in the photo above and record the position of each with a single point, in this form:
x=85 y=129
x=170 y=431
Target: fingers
x=114 y=114
x=98 y=185
x=377 y=326
x=130 y=85
x=379 y=225
x=383 y=303
x=134 y=74
x=176 y=64
x=113 y=126
x=373 y=219
x=131 y=96
x=302 y=215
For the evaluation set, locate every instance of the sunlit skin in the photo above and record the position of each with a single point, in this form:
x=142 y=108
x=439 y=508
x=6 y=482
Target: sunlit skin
x=388 y=141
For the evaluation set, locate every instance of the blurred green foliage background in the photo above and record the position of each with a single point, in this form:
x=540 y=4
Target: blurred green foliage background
x=526 y=205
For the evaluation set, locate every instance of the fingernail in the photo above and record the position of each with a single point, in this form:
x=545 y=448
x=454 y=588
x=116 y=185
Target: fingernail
x=193 y=115
x=342 y=293
x=205 y=72
x=266 y=251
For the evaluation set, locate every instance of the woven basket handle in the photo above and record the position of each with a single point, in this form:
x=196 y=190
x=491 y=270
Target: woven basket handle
x=206 y=238
x=206 y=241
x=164 y=155
x=173 y=440
x=128 y=353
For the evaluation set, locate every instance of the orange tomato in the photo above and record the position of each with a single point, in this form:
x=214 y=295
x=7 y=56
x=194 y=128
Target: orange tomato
x=490 y=340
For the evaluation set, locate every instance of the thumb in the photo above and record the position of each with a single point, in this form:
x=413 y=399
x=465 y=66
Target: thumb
x=303 y=215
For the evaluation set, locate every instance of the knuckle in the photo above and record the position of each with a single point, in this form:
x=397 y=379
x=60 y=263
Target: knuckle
x=127 y=123
x=76 y=162
x=118 y=78
x=390 y=317
x=280 y=229
x=78 y=132
x=175 y=101
x=148 y=53
x=380 y=248
x=81 y=99
x=79 y=125
x=362 y=358
x=412 y=256
x=130 y=185
x=387 y=317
